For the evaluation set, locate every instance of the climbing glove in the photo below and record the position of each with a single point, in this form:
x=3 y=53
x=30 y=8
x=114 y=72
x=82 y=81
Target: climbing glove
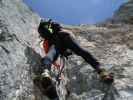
x=105 y=76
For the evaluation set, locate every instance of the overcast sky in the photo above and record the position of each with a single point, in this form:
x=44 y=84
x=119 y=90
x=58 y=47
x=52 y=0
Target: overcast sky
x=75 y=11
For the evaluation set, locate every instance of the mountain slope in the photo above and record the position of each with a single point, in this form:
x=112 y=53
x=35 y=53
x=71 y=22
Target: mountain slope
x=124 y=13
x=110 y=43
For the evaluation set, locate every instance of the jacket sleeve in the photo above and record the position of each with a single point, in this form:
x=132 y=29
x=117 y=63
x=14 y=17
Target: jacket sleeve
x=71 y=44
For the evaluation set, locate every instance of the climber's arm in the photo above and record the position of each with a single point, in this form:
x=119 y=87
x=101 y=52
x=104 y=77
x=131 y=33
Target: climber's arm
x=71 y=44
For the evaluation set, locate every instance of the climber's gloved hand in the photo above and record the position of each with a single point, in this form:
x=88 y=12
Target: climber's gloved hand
x=105 y=76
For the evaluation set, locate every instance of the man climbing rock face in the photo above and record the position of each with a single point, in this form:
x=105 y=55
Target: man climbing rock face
x=56 y=41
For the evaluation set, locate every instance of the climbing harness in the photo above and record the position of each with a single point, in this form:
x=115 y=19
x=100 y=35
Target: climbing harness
x=61 y=68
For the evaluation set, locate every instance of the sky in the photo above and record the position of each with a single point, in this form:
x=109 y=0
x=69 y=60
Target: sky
x=75 y=11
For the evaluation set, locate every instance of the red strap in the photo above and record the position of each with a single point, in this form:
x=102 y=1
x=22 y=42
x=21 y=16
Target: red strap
x=45 y=45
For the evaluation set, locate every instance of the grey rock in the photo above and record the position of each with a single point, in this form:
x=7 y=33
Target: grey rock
x=20 y=54
x=125 y=13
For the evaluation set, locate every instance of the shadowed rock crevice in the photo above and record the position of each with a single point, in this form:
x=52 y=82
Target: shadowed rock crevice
x=6 y=50
x=33 y=59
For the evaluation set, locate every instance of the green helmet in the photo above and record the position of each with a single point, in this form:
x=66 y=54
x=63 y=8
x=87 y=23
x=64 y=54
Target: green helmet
x=45 y=29
x=47 y=24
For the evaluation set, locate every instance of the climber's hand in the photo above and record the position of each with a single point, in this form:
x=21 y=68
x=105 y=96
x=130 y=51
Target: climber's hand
x=105 y=76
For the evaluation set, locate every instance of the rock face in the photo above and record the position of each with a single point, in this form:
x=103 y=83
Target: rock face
x=111 y=44
x=17 y=38
x=124 y=13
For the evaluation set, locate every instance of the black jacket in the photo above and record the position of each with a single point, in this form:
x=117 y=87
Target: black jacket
x=62 y=40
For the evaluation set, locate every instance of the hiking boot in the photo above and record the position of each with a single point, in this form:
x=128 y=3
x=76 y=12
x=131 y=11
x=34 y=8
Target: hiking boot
x=46 y=73
x=105 y=76
x=46 y=78
x=49 y=88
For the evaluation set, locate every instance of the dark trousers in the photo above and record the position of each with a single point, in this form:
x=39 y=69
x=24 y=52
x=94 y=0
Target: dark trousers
x=69 y=42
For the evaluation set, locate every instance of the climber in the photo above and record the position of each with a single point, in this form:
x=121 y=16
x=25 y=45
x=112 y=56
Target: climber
x=57 y=42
